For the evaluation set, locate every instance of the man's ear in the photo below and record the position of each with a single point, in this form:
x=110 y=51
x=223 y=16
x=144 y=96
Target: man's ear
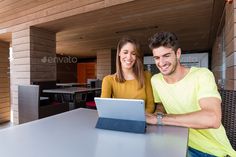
x=178 y=53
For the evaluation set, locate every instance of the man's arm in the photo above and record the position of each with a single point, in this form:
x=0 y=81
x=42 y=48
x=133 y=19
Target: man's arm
x=208 y=117
x=159 y=108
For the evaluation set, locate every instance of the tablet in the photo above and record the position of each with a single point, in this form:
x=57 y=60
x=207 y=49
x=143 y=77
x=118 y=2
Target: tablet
x=121 y=114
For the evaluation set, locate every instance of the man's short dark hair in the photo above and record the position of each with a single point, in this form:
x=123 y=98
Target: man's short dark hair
x=165 y=39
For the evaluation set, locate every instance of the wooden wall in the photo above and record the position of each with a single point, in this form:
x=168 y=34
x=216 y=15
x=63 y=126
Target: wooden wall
x=4 y=83
x=218 y=59
x=42 y=55
x=230 y=46
x=37 y=12
x=34 y=48
x=31 y=45
x=33 y=53
x=19 y=66
x=106 y=62
x=224 y=49
x=67 y=71
x=103 y=63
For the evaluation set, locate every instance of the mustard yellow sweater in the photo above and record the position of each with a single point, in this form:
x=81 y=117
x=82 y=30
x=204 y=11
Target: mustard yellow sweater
x=129 y=90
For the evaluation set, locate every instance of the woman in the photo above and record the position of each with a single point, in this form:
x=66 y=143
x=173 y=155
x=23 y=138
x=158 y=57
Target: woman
x=130 y=81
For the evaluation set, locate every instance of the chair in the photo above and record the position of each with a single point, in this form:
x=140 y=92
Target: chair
x=45 y=85
x=28 y=102
x=31 y=108
x=229 y=114
x=81 y=100
x=98 y=84
x=90 y=103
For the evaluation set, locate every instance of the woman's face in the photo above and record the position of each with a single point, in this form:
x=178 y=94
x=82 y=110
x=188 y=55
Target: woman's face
x=127 y=56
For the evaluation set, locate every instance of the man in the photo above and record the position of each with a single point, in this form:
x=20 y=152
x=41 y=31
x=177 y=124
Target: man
x=190 y=98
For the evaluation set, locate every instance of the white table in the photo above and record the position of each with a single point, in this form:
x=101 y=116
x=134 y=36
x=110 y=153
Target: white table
x=73 y=134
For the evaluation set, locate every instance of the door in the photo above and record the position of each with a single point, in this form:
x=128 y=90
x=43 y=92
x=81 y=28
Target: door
x=86 y=71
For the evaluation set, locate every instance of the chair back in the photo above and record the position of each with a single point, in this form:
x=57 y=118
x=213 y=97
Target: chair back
x=28 y=102
x=30 y=107
x=45 y=85
x=229 y=114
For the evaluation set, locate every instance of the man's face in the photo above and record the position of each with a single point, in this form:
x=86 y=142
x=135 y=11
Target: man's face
x=166 y=59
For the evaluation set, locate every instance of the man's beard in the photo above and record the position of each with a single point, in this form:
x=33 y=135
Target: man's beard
x=174 y=66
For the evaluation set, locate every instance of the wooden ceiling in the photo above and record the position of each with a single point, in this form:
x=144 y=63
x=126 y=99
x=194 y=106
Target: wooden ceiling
x=195 y=23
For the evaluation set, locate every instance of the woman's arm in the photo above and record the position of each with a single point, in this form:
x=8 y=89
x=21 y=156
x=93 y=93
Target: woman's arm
x=106 y=87
x=150 y=105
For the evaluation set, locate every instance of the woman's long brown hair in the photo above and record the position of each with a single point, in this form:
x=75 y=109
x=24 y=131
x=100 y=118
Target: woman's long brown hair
x=138 y=65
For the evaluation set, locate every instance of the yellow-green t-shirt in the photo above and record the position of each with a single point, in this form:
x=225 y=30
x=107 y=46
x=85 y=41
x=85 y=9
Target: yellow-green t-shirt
x=129 y=90
x=183 y=97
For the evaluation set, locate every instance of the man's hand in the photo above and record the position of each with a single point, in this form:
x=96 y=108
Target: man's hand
x=151 y=119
